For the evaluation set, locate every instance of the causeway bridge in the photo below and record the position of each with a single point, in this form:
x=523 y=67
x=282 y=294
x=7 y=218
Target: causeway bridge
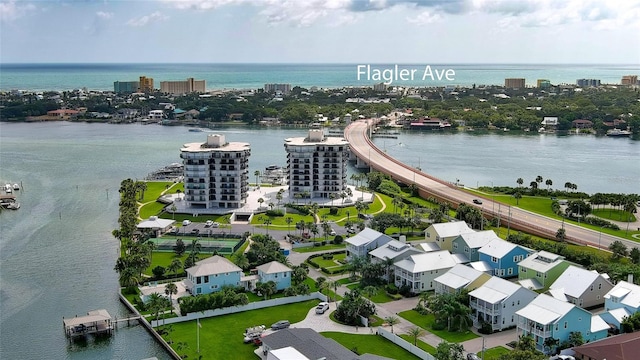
x=367 y=154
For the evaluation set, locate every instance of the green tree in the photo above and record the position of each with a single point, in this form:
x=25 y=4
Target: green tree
x=175 y=266
x=449 y=351
x=171 y=289
x=391 y=320
x=520 y=181
x=415 y=332
x=517 y=196
x=618 y=250
x=560 y=234
x=352 y=306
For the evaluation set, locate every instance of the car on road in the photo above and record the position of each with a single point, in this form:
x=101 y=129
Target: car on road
x=477 y=201
x=472 y=356
x=322 y=307
x=282 y=324
x=210 y=223
x=186 y=222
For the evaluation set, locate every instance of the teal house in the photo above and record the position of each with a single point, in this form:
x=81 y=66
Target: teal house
x=211 y=274
x=540 y=270
x=276 y=272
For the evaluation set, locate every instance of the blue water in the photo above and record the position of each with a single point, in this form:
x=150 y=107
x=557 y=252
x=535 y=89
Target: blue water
x=244 y=76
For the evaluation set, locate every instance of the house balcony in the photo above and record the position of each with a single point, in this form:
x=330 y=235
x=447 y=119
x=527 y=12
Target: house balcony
x=485 y=307
x=534 y=328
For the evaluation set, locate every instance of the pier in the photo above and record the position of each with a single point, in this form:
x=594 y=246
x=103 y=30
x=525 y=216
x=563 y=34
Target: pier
x=96 y=322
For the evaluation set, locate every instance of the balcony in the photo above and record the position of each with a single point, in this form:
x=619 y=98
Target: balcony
x=484 y=307
x=534 y=328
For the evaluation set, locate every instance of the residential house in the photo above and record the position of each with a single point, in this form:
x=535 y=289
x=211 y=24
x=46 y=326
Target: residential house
x=496 y=303
x=620 y=347
x=444 y=233
x=469 y=243
x=623 y=295
x=460 y=277
x=541 y=269
x=428 y=246
x=392 y=251
x=418 y=271
x=547 y=317
x=155 y=226
x=615 y=317
x=276 y=272
x=503 y=257
x=581 y=287
x=364 y=241
x=211 y=274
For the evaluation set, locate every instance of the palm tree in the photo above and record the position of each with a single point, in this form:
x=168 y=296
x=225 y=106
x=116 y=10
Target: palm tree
x=518 y=196
x=268 y=222
x=415 y=332
x=388 y=263
x=171 y=289
x=520 y=181
x=549 y=182
x=174 y=266
x=241 y=260
x=391 y=320
x=332 y=196
x=288 y=220
x=370 y=291
x=156 y=304
x=567 y=185
x=539 y=179
x=257 y=175
x=260 y=201
x=397 y=200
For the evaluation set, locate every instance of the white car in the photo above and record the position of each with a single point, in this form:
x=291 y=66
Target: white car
x=322 y=307
x=186 y=222
x=332 y=232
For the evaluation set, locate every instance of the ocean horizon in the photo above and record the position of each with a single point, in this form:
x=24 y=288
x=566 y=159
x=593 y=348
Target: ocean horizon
x=225 y=76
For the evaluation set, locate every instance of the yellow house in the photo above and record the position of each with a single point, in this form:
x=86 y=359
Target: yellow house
x=444 y=233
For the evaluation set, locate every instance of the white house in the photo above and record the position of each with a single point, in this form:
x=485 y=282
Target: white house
x=364 y=241
x=418 y=271
x=581 y=287
x=460 y=277
x=395 y=251
x=496 y=303
x=444 y=233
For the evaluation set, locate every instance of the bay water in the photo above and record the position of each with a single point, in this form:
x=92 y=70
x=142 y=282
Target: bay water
x=57 y=253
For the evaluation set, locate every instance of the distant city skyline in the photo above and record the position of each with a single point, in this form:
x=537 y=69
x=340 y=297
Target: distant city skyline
x=328 y=31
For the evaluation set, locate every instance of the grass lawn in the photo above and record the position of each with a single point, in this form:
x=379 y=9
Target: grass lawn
x=380 y=297
x=371 y=344
x=164 y=258
x=330 y=263
x=155 y=188
x=614 y=214
x=221 y=336
x=495 y=353
x=421 y=344
x=150 y=209
x=349 y=212
x=280 y=222
x=319 y=248
x=426 y=322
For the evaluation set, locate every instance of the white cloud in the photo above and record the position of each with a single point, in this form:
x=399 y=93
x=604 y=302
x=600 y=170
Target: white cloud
x=425 y=17
x=147 y=19
x=12 y=10
x=104 y=15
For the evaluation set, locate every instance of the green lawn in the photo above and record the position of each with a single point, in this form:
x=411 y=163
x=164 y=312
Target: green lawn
x=280 y=222
x=421 y=344
x=494 y=353
x=426 y=321
x=155 y=189
x=163 y=258
x=614 y=214
x=150 y=209
x=380 y=297
x=330 y=263
x=371 y=344
x=221 y=336
x=319 y=248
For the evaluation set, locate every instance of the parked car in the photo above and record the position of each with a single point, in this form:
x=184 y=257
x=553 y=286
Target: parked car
x=322 y=307
x=351 y=230
x=251 y=337
x=365 y=216
x=477 y=201
x=472 y=356
x=282 y=324
x=210 y=223
x=332 y=232
x=186 y=222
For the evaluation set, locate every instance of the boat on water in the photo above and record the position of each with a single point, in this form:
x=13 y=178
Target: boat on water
x=8 y=188
x=16 y=187
x=618 y=133
x=13 y=206
x=195 y=130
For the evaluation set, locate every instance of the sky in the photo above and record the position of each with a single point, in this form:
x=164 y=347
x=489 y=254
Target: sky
x=321 y=31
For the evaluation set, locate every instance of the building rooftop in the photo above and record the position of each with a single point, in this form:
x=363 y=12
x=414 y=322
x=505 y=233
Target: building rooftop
x=627 y=293
x=459 y=276
x=574 y=281
x=495 y=290
x=449 y=229
x=428 y=246
x=273 y=267
x=392 y=250
x=155 y=223
x=545 y=309
x=368 y=236
x=215 y=142
x=542 y=261
x=497 y=248
x=428 y=261
x=620 y=347
x=479 y=239
x=213 y=265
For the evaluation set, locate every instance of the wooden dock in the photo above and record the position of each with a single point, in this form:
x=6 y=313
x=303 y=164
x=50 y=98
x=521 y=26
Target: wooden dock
x=96 y=322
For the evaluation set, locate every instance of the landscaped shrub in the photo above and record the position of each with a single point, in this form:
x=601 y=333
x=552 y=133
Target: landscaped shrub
x=275 y=213
x=312 y=263
x=391 y=289
x=302 y=209
x=405 y=290
x=333 y=211
x=485 y=328
x=338 y=239
x=437 y=326
x=327 y=256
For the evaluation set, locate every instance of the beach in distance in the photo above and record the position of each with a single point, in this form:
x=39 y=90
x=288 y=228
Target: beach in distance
x=43 y=77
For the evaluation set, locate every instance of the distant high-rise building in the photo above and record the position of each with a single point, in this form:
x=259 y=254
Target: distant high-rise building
x=380 y=87
x=629 y=80
x=183 y=87
x=284 y=88
x=588 y=82
x=120 y=87
x=317 y=165
x=543 y=84
x=514 y=83
x=216 y=173
x=146 y=84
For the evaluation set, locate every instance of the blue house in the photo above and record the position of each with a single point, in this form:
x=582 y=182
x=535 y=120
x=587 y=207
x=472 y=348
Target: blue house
x=549 y=318
x=211 y=274
x=624 y=295
x=503 y=257
x=468 y=244
x=276 y=272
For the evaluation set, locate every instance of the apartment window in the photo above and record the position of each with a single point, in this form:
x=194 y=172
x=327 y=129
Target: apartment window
x=513 y=303
x=226 y=274
x=538 y=274
x=599 y=286
x=214 y=286
x=591 y=288
x=428 y=235
x=199 y=280
x=466 y=249
x=511 y=318
x=206 y=278
x=455 y=246
x=494 y=259
x=556 y=327
x=565 y=324
x=510 y=271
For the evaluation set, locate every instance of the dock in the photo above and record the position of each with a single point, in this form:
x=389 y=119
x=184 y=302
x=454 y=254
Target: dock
x=96 y=322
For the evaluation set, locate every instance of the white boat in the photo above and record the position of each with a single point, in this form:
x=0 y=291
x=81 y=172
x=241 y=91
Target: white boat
x=16 y=187
x=13 y=206
x=8 y=188
x=618 y=133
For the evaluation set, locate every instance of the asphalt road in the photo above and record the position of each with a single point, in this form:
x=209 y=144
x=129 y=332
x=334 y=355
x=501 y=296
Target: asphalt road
x=516 y=218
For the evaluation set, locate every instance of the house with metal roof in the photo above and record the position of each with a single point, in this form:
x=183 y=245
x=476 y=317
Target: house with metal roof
x=444 y=233
x=427 y=246
x=623 y=295
x=211 y=274
x=468 y=244
x=541 y=269
x=496 y=303
x=418 y=271
x=581 y=287
x=503 y=257
x=458 y=278
x=364 y=241
x=547 y=317
x=155 y=225
x=615 y=317
x=620 y=347
x=276 y=272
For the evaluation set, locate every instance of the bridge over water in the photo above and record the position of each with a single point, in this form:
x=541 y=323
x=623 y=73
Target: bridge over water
x=367 y=154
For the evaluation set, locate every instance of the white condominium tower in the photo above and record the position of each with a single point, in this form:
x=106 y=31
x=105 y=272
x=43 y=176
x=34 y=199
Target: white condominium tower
x=316 y=165
x=216 y=173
